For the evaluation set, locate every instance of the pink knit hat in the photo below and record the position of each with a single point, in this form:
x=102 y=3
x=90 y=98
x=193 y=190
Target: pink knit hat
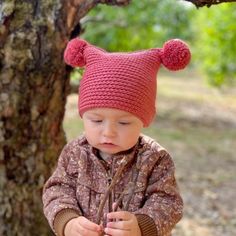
x=125 y=81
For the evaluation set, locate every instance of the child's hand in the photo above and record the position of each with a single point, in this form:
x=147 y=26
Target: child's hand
x=82 y=227
x=124 y=224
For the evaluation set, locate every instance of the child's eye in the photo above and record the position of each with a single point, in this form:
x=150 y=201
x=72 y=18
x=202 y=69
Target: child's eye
x=96 y=121
x=124 y=122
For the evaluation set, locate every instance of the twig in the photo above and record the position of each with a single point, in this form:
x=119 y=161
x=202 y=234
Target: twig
x=115 y=179
x=119 y=200
x=132 y=184
x=130 y=187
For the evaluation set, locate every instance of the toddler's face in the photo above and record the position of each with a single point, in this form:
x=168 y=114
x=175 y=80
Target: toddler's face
x=111 y=130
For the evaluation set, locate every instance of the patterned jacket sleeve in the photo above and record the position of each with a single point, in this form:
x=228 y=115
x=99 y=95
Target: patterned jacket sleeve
x=59 y=193
x=163 y=204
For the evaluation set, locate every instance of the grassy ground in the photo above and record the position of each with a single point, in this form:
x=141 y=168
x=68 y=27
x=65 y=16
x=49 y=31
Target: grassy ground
x=197 y=125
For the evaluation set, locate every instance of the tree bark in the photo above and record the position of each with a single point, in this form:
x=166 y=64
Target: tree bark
x=208 y=3
x=33 y=88
x=33 y=93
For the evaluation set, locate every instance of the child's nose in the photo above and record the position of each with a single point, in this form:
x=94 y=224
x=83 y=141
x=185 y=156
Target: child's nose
x=109 y=130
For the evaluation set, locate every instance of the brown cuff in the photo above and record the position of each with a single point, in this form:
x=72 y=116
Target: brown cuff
x=147 y=225
x=62 y=218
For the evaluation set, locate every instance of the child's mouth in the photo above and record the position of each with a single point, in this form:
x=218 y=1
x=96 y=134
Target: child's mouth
x=108 y=144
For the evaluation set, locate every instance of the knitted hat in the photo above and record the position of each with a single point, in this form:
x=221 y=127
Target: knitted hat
x=125 y=81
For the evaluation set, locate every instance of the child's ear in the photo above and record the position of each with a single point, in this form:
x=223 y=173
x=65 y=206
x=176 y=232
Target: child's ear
x=74 y=52
x=175 y=54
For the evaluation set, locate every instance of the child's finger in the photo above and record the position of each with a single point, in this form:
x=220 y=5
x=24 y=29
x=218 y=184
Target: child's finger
x=112 y=231
x=114 y=206
x=122 y=225
x=120 y=215
x=87 y=224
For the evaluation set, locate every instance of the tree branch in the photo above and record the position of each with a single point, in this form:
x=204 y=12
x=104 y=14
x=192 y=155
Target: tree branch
x=115 y=2
x=208 y=3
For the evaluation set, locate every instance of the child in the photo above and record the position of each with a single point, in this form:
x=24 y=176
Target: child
x=114 y=180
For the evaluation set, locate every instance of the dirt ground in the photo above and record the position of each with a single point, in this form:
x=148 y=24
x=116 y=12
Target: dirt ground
x=204 y=154
x=205 y=169
x=197 y=125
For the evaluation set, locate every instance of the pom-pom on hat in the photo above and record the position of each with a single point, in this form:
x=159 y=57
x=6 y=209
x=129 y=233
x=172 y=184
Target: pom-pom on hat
x=124 y=81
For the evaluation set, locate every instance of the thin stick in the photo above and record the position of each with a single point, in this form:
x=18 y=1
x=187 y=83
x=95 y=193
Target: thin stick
x=115 y=179
x=130 y=187
x=132 y=184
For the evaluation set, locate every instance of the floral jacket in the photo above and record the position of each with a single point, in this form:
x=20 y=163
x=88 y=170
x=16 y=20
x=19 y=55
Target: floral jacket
x=81 y=180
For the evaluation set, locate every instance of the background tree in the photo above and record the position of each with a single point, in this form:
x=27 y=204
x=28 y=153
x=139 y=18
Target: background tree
x=142 y=24
x=206 y=31
x=215 y=43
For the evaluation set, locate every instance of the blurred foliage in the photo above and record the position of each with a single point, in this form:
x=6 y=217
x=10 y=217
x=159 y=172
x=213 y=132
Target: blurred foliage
x=216 y=43
x=210 y=32
x=142 y=24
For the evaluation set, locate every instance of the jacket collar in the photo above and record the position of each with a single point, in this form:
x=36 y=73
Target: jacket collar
x=114 y=160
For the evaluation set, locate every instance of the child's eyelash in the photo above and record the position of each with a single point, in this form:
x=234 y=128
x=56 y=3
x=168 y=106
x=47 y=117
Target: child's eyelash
x=119 y=122
x=124 y=123
x=96 y=121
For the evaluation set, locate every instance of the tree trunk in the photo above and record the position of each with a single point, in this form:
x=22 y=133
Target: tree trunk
x=33 y=93
x=33 y=89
